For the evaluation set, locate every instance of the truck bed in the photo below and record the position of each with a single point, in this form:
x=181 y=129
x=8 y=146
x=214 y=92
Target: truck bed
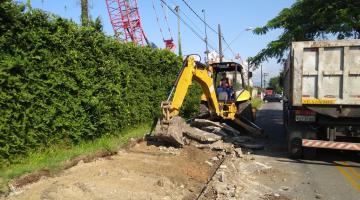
x=324 y=73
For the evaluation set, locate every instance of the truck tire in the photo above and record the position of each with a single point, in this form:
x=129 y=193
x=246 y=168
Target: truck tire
x=295 y=148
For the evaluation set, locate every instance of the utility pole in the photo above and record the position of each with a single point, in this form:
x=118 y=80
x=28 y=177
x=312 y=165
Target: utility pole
x=177 y=9
x=220 y=44
x=28 y=5
x=84 y=12
x=261 y=78
x=206 y=39
x=265 y=75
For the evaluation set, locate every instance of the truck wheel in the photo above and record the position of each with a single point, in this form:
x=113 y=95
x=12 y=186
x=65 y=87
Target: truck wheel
x=309 y=153
x=295 y=148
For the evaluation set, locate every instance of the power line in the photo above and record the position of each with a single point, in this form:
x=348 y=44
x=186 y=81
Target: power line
x=198 y=16
x=192 y=22
x=189 y=19
x=211 y=28
x=186 y=24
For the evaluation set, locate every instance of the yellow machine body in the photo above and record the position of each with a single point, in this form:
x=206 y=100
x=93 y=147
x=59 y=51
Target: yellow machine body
x=203 y=74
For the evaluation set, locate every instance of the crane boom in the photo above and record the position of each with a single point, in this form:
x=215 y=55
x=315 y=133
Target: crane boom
x=126 y=22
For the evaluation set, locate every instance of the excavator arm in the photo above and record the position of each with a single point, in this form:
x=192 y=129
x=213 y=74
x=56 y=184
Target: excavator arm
x=190 y=71
x=168 y=129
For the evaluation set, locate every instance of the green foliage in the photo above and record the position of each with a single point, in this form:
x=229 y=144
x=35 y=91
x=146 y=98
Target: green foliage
x=256 y=103
x=275 y=83
x=191 y=105
x=62 y=83
x=308 y=20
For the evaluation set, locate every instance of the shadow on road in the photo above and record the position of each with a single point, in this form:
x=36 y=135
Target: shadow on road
x=270 y=119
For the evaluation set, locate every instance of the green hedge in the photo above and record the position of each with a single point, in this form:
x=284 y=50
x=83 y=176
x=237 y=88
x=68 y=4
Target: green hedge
x=62 y=83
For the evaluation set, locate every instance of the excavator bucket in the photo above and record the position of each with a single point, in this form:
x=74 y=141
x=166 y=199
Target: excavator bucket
x=170 y=131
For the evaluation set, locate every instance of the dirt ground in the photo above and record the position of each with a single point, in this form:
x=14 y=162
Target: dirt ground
x=147 y=171
x=141 y=172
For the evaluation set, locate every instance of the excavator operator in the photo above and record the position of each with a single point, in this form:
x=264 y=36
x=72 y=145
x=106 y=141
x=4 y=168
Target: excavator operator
x=225 y=86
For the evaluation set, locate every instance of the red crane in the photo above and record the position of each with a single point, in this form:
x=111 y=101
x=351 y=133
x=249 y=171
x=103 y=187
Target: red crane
x=126 y=22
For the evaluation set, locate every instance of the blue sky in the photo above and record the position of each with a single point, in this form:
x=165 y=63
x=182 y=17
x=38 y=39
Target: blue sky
x=233 y=15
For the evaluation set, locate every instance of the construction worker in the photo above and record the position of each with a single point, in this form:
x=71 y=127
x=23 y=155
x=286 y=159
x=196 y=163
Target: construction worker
x=225 y=86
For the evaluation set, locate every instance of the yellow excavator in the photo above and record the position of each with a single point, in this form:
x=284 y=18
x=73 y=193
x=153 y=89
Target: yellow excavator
x=218 y=102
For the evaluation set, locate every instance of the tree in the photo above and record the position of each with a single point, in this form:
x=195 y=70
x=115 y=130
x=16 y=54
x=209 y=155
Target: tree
x=309 y=20
x=275 y=84
x=85 y=12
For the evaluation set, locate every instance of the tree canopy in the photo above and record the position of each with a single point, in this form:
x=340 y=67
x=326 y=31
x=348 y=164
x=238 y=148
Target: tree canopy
x=274 y=83
x=310 y=20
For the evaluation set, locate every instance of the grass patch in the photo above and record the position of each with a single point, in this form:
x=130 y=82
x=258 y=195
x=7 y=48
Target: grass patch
x=53 y=159
x=256 y=103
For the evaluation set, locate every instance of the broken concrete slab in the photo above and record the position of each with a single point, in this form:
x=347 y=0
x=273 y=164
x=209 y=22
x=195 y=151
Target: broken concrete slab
x=214 y=159
x=251 y=146
x=217 y=146
x=239 y=153
x=201 y=136
x=214 y=129
x=222 y=177
x=204 y=122
x=211 y=129
x=220 y=188
x=230 y=129
x=209 y=163
x=220 y=145
x=242 y=139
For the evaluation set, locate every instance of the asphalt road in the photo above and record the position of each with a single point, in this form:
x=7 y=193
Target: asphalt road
x=330 y=175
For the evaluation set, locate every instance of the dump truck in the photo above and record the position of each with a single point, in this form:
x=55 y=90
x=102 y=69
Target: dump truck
x=229 y=102
x=321 y=107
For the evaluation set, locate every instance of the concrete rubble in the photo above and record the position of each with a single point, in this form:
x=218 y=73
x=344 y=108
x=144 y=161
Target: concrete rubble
x=218 y=136
x=201 y=136
x=169 y=150
x=234 y=179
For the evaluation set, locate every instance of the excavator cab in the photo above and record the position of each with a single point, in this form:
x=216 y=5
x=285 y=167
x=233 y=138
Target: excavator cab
x=229 y=81
x=231 y=91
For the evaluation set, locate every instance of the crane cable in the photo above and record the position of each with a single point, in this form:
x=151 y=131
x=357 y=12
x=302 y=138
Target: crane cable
x=157 y=19
x=166 y=20
x=186 y=24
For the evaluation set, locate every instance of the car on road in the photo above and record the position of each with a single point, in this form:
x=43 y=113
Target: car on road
x=273 y=98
